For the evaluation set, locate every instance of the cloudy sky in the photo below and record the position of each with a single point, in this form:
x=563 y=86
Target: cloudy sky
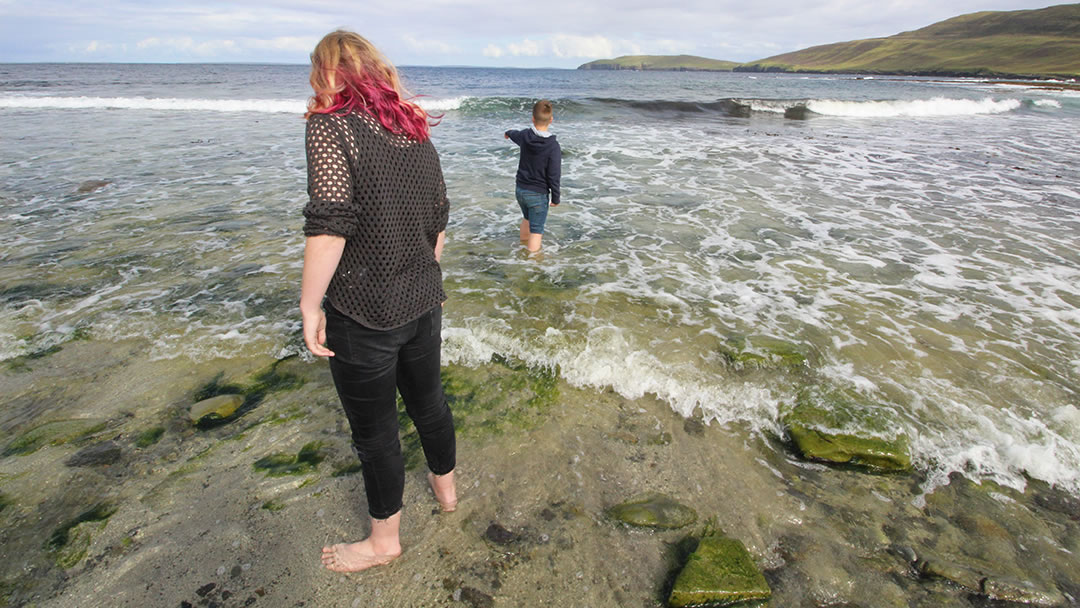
x=553 y=33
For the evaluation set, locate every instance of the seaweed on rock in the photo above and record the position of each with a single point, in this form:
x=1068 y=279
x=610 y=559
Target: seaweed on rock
x=837 y=427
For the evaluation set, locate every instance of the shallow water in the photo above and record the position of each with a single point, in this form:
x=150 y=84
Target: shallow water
x=915 y=241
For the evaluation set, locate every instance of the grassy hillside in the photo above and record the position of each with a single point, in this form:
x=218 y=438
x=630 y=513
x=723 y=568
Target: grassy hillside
x=659 y=62
x=1043 y=42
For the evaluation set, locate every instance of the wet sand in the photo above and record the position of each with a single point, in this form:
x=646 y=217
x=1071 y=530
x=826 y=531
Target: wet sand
x=188 y=518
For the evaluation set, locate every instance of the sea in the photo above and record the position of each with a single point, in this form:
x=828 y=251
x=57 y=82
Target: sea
x=915 y=242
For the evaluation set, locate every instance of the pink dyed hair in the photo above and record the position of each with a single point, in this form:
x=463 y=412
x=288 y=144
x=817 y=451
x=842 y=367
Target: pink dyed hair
x=349 y=74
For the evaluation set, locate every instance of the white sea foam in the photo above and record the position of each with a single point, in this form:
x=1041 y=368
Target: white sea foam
x=440 y=105
x=607 y=360
x=270 y=106
x=938 y=106
x=1048 y=103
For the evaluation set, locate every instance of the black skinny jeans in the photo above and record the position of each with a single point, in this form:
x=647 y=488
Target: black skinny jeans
x=369 y=366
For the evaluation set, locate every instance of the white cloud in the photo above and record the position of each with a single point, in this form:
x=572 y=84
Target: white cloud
x=186 y=44
x=300 y=44
x=572 y=46
x=97 y=47
x=527 y=47
x=429 y=46
x=563 y=45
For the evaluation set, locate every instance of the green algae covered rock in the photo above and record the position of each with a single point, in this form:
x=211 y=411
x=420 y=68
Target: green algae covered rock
x=653 y=511
x=719 y=573
x=69 y=543
x=282 y=463
x=215 y=408
x=149 y=437
x=993 y=587
x=836 y=427
x=57 y=432
x=1018 y=592
x=762 y=352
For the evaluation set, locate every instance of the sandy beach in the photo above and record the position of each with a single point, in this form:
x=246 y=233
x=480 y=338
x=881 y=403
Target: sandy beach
x=190 y=518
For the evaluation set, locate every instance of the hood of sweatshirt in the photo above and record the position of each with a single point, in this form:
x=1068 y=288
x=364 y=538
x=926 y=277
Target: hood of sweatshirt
x=538 y=140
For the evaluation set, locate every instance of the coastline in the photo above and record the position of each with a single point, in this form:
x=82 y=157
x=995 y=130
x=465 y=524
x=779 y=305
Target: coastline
x=193 y=519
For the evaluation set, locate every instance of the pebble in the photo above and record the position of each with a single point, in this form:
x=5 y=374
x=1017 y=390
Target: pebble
x=104 y=453
x=499 y=535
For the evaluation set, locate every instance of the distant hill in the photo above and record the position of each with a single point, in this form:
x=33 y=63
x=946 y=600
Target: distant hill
x=660 y=62
x=1039 y=43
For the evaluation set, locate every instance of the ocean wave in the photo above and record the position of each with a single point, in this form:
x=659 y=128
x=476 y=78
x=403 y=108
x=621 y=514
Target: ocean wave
x=937 y=106
x=799 y=109
x=807 y=108
x=269 y=106
x=441 y=105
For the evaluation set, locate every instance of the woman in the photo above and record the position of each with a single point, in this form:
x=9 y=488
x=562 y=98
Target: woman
x=375 y=226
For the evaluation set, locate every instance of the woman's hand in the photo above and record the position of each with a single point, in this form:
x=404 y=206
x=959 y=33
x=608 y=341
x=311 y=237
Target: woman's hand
x=315 y=332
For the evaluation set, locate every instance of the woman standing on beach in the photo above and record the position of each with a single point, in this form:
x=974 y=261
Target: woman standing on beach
x=375 y=226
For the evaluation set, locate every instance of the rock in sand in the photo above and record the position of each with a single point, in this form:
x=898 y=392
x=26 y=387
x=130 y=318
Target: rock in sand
x=719 y=573
x=653 y=511
x=216 y=408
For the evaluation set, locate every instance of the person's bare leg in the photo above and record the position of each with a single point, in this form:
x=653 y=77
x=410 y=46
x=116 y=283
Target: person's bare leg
x=533 y=243
x=380 y=548
x=524 y=231
x=445 y=490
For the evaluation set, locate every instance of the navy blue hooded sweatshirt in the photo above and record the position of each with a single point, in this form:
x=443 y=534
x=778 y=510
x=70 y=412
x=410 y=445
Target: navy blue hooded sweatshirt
x=540 y=165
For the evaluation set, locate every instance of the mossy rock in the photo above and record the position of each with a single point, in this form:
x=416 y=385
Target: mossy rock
x=274 y=380
x=20 y=364
x=273 y=506
x=149 y=437
x=347 y=468
x=993 y=587
x=270 y=380
x=833 y=427
x=1020 y=592
x=955 y=573
x=762 y=352
x=69 y=543
x=503 y=396
x=720 y=572
x=79 y=539
x=57 y=432
x=215 y=409
x=653 y=511
x=281 y=463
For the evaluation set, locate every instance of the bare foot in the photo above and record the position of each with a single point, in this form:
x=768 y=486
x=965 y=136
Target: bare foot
x=354 y=557
x=445 y=490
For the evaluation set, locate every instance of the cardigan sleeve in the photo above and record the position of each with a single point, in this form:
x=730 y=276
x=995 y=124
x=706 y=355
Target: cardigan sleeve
x=330 y=180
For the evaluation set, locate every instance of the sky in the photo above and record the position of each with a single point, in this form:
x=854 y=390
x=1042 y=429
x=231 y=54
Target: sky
x=492 y=33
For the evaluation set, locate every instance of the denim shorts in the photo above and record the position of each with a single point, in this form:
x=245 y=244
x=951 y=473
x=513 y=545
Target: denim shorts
x=534 y=207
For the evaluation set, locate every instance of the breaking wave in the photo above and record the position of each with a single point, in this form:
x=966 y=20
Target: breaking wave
x=797 y=108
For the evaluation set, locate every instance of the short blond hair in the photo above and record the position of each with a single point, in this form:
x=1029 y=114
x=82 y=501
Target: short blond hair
x=542 y=113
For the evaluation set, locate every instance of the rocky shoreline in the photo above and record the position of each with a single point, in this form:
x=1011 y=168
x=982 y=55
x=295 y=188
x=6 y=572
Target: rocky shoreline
x=111 y=487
